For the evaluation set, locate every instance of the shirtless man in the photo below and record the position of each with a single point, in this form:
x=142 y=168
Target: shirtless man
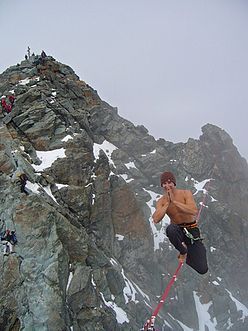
x=183 y=231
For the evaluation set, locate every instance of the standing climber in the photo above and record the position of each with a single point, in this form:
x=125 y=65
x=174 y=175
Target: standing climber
x=9 y=240
x=11 y=99
x=182 y=231
x=43 y=54
x=23 y=181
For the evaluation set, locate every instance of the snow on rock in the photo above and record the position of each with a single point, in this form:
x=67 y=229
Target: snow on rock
x=130 y=165
x=24 y=81
x=119 y=237
x=34 y=187
x=199 y=186
x=240 y=306
x=125 y=177
x=66 y=138
x=48 y=157
x=129 y=291
x=49 y=192
x=159 y=235
x=107 y=147
x=69 y=280
x=59 y=186
x=121 y=315
x=204 y=318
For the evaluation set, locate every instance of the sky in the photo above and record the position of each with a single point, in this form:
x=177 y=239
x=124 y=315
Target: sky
x=170 y=65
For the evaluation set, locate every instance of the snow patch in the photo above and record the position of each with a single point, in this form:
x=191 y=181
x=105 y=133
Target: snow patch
x=125 y=177
x=130 y=165
x=69 y=280
x=199 y=186
x=129 y=291
x=66 y=138
x=119 y=237
x=240 y=306
x=107 y=147
x=49 y=192
x=204 y=318
x=48 y=157
x=34 y=187
x=24 y=81
x=59 y=186
x=121 y=315
x=159 y=236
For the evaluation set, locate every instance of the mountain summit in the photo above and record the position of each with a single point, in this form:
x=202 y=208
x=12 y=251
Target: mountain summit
x=88 y=256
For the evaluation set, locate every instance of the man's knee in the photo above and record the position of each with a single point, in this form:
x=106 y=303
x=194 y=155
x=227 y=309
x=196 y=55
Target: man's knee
x=203 y=270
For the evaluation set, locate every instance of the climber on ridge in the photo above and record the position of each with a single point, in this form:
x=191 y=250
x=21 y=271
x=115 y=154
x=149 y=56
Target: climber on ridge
x=182 y=231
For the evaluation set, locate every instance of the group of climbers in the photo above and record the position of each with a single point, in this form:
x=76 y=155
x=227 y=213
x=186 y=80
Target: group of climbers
x=9 y=240
x=7 y=103
x=41 y=59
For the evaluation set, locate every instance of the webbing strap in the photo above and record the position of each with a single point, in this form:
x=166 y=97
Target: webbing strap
x=203 y=200
x=190 y=236
x=150 y=322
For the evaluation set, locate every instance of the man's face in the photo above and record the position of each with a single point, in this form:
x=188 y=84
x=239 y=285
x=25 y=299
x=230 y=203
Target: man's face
x=168 y=185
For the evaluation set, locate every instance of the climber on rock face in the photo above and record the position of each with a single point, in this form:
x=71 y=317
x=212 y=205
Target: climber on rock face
x=23 y=180
x=7 y=106
x=183 y=231
x=11 y=99
x=9 y=240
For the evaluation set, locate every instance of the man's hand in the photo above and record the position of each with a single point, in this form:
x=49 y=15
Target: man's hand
x=170 y=194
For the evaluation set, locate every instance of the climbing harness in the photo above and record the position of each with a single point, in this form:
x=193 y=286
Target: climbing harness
x=149 y=325
x=190 y=236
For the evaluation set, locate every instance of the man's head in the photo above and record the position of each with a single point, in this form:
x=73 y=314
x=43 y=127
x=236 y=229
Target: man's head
x=167 y=177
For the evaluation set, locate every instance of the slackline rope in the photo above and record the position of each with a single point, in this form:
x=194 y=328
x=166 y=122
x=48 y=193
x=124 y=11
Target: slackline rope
x=150 y=322
x=149 y=325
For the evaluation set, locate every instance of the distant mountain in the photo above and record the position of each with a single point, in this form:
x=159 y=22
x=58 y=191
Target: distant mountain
x=88 y=256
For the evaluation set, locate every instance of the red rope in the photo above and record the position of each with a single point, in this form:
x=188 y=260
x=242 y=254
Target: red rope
x=150 y=322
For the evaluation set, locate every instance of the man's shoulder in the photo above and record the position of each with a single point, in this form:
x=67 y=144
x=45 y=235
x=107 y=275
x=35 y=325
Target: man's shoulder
x=184 y=192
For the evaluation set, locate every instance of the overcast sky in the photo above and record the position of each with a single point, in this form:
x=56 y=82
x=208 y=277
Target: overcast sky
x=171 y=65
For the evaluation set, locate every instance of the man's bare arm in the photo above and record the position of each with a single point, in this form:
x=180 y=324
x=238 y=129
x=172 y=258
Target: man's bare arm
x=161 y=208
x=189 y=207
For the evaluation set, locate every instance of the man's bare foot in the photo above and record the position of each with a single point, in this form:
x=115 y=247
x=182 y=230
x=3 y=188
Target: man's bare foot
x=182 y=257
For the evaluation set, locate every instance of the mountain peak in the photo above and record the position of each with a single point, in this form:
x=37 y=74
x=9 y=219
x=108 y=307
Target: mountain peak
x=88 y=254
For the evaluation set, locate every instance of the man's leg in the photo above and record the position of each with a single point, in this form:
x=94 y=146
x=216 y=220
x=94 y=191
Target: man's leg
x=176 y=237
x=6 y=249
x=196 y=257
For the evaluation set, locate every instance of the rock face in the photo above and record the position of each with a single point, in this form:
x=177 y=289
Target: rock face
x=88 y=256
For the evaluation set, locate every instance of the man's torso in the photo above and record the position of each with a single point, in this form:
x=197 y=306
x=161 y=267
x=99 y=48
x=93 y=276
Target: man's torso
x=176 y=215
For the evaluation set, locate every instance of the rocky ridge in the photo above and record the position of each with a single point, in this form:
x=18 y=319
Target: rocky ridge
x=88 y=256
